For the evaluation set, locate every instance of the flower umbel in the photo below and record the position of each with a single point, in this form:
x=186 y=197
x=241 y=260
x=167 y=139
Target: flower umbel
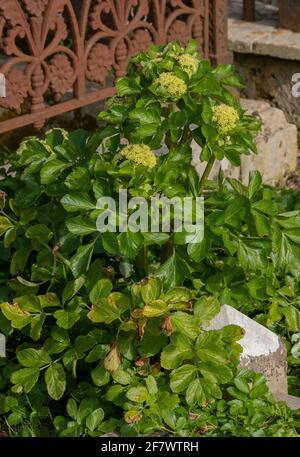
x=188 y=64
x=174 y=86
x=141 y=154
x=226 y=118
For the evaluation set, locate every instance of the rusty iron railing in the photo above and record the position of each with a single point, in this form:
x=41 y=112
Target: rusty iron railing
x=59 y=55
x=288 y=13
x=249 y=10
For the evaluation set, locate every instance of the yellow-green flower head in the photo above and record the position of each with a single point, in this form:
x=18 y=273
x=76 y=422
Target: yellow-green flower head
x=226 y=118
x=188 y=64
x=174 y=86
x=141 y=154
x=146 y=187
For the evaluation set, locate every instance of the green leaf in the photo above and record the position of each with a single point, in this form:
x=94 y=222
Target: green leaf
x=198 y=251
x=253 y=253
x=259 y=390
x=242 y=384
x=100 y=376
x=49 y=300
x=83 y=343
x=177 y=295
x=195 y=393
x=29 y=303
x=80 y=262
x=52 y=170
x=77 y=202
x=206 y=112
x=128 y=86
x=39 y=232
x=81 y=226
x=26 y=377
x=72 y=288
x=238 y=186
x=151 y=385
x=5 y=224
x=79 y=178
x=173 y=355
x=155 y=308
x=130 y=243
x=19 y=260
x=173 y=271
x=152 y=344
x=185 y=324
x=167 y=404
x=209 y=132
x=110 y=243
x=286 y=250
x=137 y=394
x=33 y=358
x=16 y=315
x=101 y=289
x=211 y=389
x=10 y=236
x=236 y=211
x=206 y=308
x=55 y=378
x=104 y=311
x=66 y=319
x=94 y=419
x=36 y=326
x=121 y=377
x=181 y=378
x=232 y=333
x=72 y=408
x=145 y=116
x=255 y=183
x=216 y=372
x=211 y=355
x=151 y=289
x=292 y=316
x=97 y=353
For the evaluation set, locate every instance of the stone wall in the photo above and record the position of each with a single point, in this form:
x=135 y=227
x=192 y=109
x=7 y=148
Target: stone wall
x=270 y=78
x=267 y=57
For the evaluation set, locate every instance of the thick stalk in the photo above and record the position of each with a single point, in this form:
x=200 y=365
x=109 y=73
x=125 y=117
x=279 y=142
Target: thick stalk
x=142 y=260
x=206 y=174
x=186 y=135
x=167 y=250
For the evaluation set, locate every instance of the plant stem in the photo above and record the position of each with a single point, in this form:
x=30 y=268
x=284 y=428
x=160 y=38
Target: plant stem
x=142 y=260
x=206 y=174
x=167 y=250
x=185 y=135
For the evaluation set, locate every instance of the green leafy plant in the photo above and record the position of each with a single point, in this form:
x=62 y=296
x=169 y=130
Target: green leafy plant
x=106 y=331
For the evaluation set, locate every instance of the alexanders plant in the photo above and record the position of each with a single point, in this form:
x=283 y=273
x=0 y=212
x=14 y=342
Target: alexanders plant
x=105 y=330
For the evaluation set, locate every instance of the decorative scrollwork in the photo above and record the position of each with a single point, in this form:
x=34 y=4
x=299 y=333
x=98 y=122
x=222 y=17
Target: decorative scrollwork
x=61 y=75
x=51 y=48
x=17 y=88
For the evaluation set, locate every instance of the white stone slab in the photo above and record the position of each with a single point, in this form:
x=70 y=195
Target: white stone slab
x=263 y=351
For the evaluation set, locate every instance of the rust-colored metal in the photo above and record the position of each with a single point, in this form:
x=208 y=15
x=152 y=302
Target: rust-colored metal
x=59 y=55
x=289 y=15
x=249 y=10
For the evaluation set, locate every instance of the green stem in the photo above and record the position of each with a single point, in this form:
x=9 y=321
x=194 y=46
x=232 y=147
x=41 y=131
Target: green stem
x=185 y=135
x=167 y=250
x=172 y=109
x=142 y=260
x=206 y=174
